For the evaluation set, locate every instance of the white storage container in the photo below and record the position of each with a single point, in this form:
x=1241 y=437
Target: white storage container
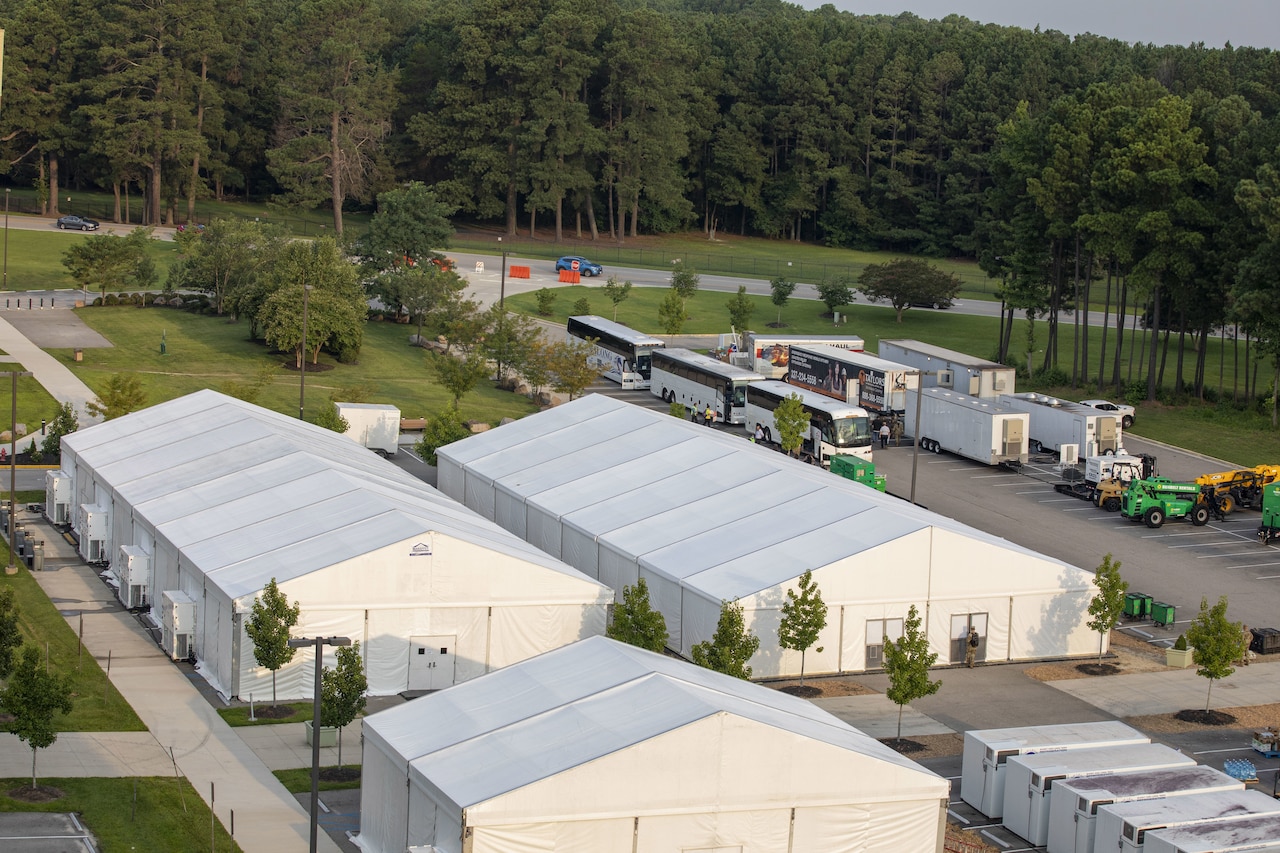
x=1259 y=834
x=1126 y=824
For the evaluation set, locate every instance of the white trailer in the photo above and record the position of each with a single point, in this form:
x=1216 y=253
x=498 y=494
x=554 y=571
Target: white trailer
x=770 y=355
x=1073 y=812
x=877 y=385
x=1119 y=466
x=1031 y=779
x=1258 y=834
x=946 y=368
x=1056 y=423
x=371 y=425
x=977 y=429
x=987 y=752
x=1125 y=825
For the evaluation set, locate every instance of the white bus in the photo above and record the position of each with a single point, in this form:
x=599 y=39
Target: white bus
x=623 y=352
x=697 y=381
x=835 y=428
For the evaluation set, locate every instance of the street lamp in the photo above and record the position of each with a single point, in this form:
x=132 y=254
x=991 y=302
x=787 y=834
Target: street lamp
x=11 y=569
x=319 y=643
x=302 y=366
x=5 y=286
x=502 y=284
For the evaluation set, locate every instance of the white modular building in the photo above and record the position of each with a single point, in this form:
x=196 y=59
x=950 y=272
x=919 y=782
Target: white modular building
x=195 y=505
x=1073 y=813
x=372 y=425
x=985 y=759
x=620 y=492
x=1125 y=825
x=1029 y=786
x=601 y=746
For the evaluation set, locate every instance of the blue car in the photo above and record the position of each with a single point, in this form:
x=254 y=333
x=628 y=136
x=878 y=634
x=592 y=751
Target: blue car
x=580 y=265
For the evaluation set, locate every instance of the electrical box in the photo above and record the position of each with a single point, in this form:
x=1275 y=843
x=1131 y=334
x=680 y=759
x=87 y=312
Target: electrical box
x=133 y=571
x=57 y=497
x=178 y=620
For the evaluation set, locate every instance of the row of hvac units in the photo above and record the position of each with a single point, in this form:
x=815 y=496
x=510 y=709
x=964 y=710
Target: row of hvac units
x=622 y=493
x=604 y=747
x=1094 y=787
x=193 y=506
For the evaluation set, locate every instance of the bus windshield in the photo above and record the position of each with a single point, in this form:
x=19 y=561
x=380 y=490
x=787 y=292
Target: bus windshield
x=849 y=432
x=644 y=364
x=739 y=394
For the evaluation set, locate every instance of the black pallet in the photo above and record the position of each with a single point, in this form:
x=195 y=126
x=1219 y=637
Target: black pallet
x=1266 y=641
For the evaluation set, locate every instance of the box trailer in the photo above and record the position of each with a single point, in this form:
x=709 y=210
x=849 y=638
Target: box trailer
x=1030 y=779
x=877 y=385
x=975 y=428
x=987 y=752
x=371 y=425
x=1257 y=834
x=1125 y=825
x=1056 y=423
x=1073 y=811
x=770 y=355
x=946 y=368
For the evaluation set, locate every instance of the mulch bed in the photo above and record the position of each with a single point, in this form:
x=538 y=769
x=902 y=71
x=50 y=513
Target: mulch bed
x=339 y=774
x=1205 y=718
x=275 y=712
x=38 y=794
x=806 y=691
x=903 y=745
x=1098 y=668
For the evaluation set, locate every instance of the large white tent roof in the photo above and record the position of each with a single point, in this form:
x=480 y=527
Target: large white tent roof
x=510 y=728
x=725 y=516
x=247 y=494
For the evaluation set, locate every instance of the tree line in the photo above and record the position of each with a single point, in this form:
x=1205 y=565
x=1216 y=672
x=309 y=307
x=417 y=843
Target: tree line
x=1073 y=169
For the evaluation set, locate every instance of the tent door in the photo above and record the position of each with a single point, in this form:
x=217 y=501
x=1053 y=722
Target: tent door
x=431 y=662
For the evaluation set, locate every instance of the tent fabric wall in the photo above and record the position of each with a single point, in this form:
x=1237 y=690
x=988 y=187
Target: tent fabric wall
x=707 y=517
x=573 y=749
x=225 y=496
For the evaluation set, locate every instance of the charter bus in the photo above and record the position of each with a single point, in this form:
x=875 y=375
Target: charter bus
x=697 y=380
x=835 y=428
x=622 y=351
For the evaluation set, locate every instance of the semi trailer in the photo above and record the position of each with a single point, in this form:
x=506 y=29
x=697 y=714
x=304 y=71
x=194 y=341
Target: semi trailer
x=977 y=429
x=946 y=368
x=1057 y=423
x=875 y=384
x=770 y=355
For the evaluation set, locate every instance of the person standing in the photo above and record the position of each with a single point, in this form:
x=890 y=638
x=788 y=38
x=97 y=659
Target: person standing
x=709 y=416
x=759 y=434
x=971 y=648
x=884 y=435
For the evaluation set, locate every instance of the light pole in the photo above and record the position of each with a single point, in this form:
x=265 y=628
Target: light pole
x=12 y=569
x=319 y=643
x=502 y=284
x=302 y=365
x=915 y=439
x=5 y=285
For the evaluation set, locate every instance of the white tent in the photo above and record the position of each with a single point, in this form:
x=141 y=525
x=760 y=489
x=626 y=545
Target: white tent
x=600 y=746
x=209 y=498
x=621 y=492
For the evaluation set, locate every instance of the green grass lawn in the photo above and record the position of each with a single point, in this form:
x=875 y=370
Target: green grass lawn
x=144 y=813
x=204 y=351
x=299 y=781
x=1240 y=437
x=239 y=715
x=98 y=707
x=34 y=403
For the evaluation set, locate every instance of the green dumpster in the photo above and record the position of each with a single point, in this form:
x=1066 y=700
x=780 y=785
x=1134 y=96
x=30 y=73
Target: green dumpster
x=1162 y=614
x=1137 y=605
x=859 y=470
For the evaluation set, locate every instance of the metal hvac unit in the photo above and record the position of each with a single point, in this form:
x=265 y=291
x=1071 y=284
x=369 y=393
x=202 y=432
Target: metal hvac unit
x=178 y=618
x=57 y=497
x=1069 y=454
x=93 y=524
x=946 y=378
x=133 y=571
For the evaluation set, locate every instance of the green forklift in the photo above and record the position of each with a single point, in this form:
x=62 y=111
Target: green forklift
x=1157 y=499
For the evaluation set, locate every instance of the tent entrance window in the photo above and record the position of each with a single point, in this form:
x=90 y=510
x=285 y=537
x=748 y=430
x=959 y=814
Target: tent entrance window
x=877 y=630
x=431 y=662
x=961 y=623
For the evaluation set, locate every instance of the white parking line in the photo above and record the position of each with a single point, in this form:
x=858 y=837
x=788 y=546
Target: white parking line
x=957 y=817
x=1055 y=500
x=1212 y=751
x=1267 y=577
x=1199 y=545
x=1220 y=556
x=996 y=840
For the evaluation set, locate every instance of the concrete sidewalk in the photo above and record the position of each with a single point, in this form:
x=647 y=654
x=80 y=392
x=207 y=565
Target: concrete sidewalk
x=56 y=378
x=208 y=752
x=114 y=754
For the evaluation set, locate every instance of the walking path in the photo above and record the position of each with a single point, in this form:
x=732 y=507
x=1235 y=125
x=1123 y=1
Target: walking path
x=63 y=385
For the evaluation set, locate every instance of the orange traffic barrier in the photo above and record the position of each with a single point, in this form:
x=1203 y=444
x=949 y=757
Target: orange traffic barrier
x=570 y=276
x=518 y=272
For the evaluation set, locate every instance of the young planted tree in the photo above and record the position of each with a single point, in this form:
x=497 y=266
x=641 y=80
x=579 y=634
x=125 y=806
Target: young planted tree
x=671 y=313
x=458 y=375
x=1107 y=606
x=32 y=696
x=804 y=615
x=793 y=423
x=445 y=428
x=268 y=627
x=1217 y=643
x=740 y=310
x=907 y=661
x=10 y=635
x=123 y=394
x=329 y=418
x=732 y=645
x=342 y=691
x=780 y=290
x=635 y=622
x=570 y=366
x=616 y=292
x=64 y=422
x=835 y=292
x=684 y=282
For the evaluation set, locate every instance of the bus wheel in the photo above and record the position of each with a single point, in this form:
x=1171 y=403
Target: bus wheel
x=768 y=436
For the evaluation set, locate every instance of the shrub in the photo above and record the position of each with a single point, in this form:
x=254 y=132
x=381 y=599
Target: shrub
x=582 y=306
x=546 y=299
x=1180 y=644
